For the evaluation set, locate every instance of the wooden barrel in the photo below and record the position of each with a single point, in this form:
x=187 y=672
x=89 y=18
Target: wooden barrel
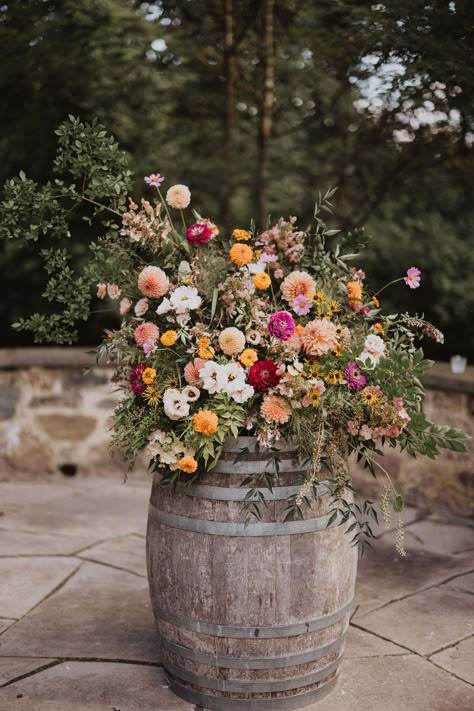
x=251 y=617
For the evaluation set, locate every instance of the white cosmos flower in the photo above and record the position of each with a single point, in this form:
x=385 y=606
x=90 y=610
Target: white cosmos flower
x=256 y=267
x=213 y=377
x=175 y=404
x=233 y=377
x=164 y=307
x=243 y=393
x=185 y=298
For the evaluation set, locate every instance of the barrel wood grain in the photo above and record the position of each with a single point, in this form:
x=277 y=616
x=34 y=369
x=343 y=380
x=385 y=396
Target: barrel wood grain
x=249 y=621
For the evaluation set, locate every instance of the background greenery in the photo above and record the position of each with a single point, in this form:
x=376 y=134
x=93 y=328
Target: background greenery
x=257 y=105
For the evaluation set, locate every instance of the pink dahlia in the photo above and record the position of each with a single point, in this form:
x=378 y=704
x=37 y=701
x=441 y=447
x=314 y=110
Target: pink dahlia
x=153 y=282
x=146 y=331
x=263 y=375
x=298 y=283
x=413 y=278
x=319 y=336
x=138 y=386
x=354 y=378
x=198 y=233
x=281 y=325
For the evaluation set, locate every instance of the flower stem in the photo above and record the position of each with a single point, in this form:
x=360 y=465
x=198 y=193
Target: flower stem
x=386 y=285
x=165 y=206
x=184 y=221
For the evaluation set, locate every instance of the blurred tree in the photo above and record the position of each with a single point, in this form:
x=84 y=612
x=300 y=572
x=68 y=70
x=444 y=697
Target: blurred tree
x=375 y=98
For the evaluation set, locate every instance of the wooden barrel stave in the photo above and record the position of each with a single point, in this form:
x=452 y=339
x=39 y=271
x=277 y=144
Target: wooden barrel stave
x=247 y=619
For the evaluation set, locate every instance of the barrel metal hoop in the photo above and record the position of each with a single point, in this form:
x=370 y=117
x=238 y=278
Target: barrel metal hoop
x=221 y=493
x=261 y=466
x=243 y=686
x=235 y=632
x=251 y=663
x=225 y=528
x=218 y=703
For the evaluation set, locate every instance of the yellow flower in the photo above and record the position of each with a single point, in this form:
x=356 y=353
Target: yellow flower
x=169 y=338
x=375 y=302
x=315 y=396
x=205 y=422
x=299 y=329
x=187 y=464
x=319 y=297
x=149 y=375
x=248 y=357
x=369 y=397
x=334 y=377
x=241 y=254
x=261 y=280
x=240 y=235
x=204 y=350
x=314 y=369
x=151 y=395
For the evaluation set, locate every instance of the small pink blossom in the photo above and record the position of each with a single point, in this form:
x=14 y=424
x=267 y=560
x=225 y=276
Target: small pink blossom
x=278 y=274
x=413 y=278
x=352 y=428
x=365 y=432
x=301 y=305
x=101 y=290
x=155 y=180
x=125 y=306
x=141 y=307
x=113 y=291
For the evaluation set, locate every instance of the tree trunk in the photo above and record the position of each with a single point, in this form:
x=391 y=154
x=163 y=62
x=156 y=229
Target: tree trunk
x=229 y=72
x=266 y=111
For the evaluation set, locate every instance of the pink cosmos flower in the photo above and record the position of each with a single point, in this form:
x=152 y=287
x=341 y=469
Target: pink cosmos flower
x=412 y=278
x=149 y=347
x=301 y=305
x=281 y=325
x=200 y=233
x=155 y=180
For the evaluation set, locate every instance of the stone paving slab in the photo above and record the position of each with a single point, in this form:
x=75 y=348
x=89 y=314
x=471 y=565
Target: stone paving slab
x=462 y=582
x=404 y=683
x=127 y=553
x=360 y=643
x=441 y=539
x=425 y=622
x=93 y=686
x=108 y=512
x=384 y=576
x=21 y=543
x=458 y=659
x=100 y=613
x=14 y=667
x=5 y=623
x=24 y=582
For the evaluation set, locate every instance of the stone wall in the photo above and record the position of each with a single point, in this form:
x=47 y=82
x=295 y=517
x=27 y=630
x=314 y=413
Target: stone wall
x=55 y=420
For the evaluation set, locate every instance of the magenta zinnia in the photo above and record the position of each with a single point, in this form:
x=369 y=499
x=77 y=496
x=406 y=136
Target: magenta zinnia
x=281 y=325
x=198 y=233
x=354 y=378
x=136 y=382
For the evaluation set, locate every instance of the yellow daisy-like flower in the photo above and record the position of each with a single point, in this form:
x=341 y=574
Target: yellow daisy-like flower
x=169 y=338
x=204 y=350
x=205 y=422
x=334 y=377
x=241 y=254
x=149 y=375
x=188 y=465
x=314 y=369
x=241 y=235
x=319 y=297
x=151 y=395
x=261 y=280
x=369 y=397
x=248 y=357
x=315 y=396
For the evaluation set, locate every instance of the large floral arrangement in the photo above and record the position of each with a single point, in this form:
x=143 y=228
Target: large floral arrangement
x=271 y=333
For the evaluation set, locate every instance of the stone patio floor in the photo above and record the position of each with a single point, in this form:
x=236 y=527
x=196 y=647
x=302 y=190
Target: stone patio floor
x=77 y=634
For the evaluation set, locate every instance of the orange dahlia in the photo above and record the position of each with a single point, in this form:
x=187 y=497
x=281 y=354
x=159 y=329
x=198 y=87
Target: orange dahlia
x=275 y=409
x=145 y=331
x=319 y=336
x=298 y=283
x=153 y=282
x=205 y=422
x=241 y=254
